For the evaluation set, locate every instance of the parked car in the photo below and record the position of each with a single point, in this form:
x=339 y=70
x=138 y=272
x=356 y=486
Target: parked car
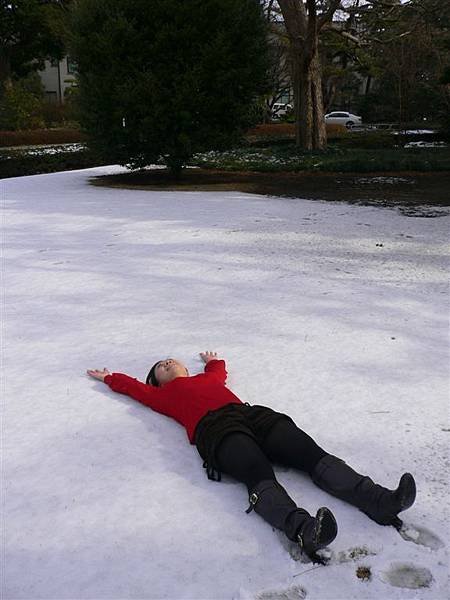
x=343 y=118
x=281 y=109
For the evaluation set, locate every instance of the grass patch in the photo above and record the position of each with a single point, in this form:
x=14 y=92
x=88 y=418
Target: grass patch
x=15 y=162
x=277 y=157
x=288 y=158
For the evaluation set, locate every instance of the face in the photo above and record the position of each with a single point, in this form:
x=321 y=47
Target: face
x=169 y=369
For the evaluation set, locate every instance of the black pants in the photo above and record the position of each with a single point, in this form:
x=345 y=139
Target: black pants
x=248 y=461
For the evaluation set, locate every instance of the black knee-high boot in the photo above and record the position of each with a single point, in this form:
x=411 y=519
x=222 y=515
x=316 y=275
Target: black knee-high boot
x=271 y=501
x=382 y=505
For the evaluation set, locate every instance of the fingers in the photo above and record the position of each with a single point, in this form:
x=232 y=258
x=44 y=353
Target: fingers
x=208 y=355
x=97 y=374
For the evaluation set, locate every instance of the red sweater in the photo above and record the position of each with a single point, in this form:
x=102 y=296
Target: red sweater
x=185 y=399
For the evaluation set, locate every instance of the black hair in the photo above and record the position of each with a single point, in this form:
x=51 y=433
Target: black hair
x=151 y=377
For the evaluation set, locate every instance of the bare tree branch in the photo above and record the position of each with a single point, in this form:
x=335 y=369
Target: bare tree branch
x=393 y=39
x=343 y=33
x=329 y=14
x=387 y=4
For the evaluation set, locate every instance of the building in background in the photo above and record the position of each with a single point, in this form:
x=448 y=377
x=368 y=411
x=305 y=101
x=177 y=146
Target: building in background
x=57 y=77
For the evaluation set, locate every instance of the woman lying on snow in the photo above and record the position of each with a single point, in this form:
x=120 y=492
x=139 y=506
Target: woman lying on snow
x=242 y=441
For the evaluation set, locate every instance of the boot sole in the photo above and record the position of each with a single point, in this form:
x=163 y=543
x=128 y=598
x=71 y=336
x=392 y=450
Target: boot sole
x=326 y=528
x=406 y=491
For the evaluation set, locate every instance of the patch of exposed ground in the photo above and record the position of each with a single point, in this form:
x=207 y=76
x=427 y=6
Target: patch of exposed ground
x=415 y=194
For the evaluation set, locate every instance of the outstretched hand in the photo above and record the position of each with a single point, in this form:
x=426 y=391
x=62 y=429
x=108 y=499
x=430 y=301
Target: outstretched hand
x=97 y=374
x=207 y=356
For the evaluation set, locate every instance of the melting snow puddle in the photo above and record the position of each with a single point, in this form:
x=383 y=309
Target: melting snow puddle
x=383 y=180
x=422 y=144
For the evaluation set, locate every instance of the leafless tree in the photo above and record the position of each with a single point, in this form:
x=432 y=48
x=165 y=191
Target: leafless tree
x=304 y=22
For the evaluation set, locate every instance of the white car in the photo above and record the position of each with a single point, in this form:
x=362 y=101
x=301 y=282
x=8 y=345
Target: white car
x=280 y=109
x=343 y=118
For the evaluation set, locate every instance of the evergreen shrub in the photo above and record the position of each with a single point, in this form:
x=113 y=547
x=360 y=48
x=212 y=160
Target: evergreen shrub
x=169 y=77
x=21 y=104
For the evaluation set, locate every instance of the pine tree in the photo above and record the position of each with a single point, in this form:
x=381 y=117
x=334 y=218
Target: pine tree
x=30 y=32
x=167 y=77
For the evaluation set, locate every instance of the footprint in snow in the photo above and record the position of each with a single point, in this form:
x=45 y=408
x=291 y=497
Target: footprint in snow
x=331 y=556
x=352 y=554
x=421 y=536
x=295 y=592
x=407 y=575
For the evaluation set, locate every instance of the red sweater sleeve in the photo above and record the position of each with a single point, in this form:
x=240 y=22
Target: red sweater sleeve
x=145 y=394
x=217 y=368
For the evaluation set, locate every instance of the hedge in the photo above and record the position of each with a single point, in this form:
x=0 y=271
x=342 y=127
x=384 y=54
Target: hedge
x=40 y=136
x=17 y=165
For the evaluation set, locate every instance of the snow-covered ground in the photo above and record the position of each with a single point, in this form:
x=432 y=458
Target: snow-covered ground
x=42 y=150
x=423 y=144
x=336 y=314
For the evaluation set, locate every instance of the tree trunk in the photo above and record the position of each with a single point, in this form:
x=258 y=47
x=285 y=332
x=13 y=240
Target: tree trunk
x=5 y=73
x=306 y=118
x=175 y=166
x=303 y=30
x=329 y=92
x=297 y=85
x=311 y=121
x=319 y=129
